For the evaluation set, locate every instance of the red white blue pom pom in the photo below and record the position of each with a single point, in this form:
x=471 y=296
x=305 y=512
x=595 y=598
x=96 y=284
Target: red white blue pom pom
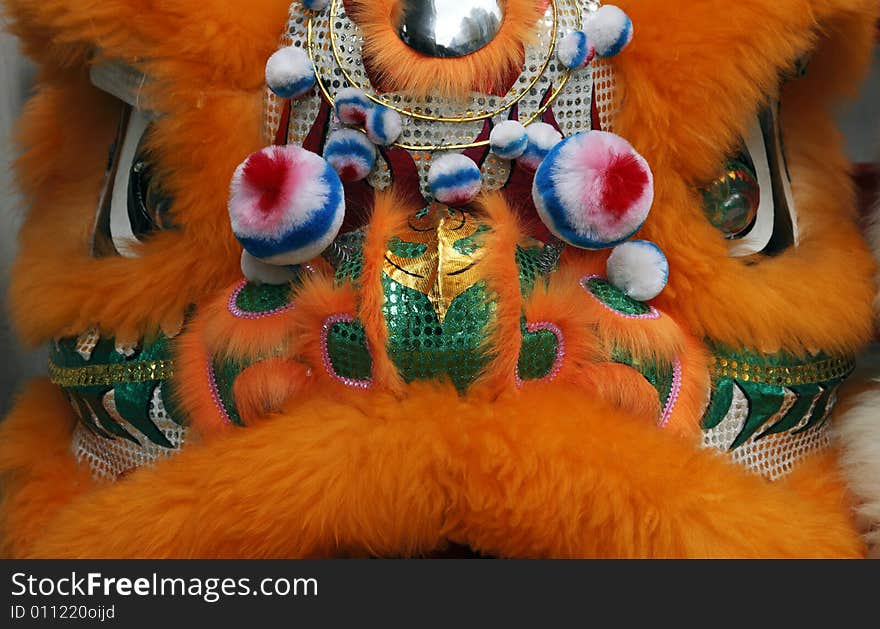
x=290 y=73
x=638 y=268
x=454 y=179
x=610 y=30
x=352 y=106
x=384 y=125
x=542 y=138
x=509 y=139
x=593 y=190
x=286 y=205
x=351 y=154
x=576 y=50
x=315 y=5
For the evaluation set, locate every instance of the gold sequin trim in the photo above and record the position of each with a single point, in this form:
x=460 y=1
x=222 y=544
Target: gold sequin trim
x=785 y=375
x=100 y=375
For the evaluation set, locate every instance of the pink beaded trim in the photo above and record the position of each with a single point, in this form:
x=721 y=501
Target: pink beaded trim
x=215 y=392
x=329 y=322
x=653 y=314
x=241 y=314
x=560 y=349
x=673 y=394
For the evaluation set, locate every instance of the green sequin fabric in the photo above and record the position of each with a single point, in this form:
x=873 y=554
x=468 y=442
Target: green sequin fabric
x=538 y=355
x=348 y=351
x=423 y=348
x=352 y=269
x=468 y=246
x=616 y=299
x=262 y=298
x=132 y=392
x=784 y=393
x=528 y=262
x=406 y=249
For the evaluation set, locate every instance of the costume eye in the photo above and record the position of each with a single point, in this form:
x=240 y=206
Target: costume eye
x=448 y=28
x=133 y=204
x=751 y=203
x=731 y=201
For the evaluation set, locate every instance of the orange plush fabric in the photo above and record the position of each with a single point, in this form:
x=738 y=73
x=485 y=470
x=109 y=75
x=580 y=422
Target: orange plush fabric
x=574 y=467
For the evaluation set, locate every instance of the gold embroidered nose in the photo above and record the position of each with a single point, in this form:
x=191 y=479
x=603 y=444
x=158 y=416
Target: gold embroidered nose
x=449 y=28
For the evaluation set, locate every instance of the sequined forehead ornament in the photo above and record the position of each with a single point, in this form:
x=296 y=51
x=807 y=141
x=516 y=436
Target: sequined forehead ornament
x=331 y=127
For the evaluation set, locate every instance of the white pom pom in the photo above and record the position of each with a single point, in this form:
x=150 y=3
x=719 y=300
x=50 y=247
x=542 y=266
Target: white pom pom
x=454 y=179
x=315 y=5
x=259 y=272
x=575 y=50
x=610 y=30
x=384 y=125
x=639 y=269
x=542 y=138
x=290 y=73
x=509 y=139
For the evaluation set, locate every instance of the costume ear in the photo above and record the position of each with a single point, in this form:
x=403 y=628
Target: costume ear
x=220 y=41
x=701 y=70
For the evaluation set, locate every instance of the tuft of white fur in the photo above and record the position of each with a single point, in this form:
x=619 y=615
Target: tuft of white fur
x=857 y=432
x=638 y=268
x=542 y=138
x=455 y=164
x=575 y=50
x=289 y=72
x=384 y=125
x=259 y=272
x=604 y=29
x=509 y=139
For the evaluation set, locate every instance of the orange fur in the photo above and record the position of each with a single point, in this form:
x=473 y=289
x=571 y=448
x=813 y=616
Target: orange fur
x=398 y=65
x=264 y=387
x=498 y=265
x=388 y=219
x=574 y=467
x=37 y=474
x=683 y=113
x=228 y=335
x=527 y=475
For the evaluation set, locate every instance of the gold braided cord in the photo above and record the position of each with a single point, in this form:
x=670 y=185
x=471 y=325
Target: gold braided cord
x=785 y=375
x=507 y=104
x=106 y=375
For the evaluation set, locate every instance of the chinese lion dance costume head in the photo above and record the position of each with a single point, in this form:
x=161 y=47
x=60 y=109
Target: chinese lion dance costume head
x=528 y=277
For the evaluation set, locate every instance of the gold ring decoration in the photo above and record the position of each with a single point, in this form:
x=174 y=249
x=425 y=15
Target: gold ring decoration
x=334 y=13
x=508 y=102
x=107 y=375
x=786 y=375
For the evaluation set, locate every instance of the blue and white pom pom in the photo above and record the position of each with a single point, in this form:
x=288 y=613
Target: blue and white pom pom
x=290 y=73
x=384 y=125
x=576 y=50
x=315 y=5
x=454 y=179
x=610 y=30
x=638 y=268
x=509 y=139
x=286 y=205
x=352 y=106
x=593 y=190
x=542 y=138
x=351 y=154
